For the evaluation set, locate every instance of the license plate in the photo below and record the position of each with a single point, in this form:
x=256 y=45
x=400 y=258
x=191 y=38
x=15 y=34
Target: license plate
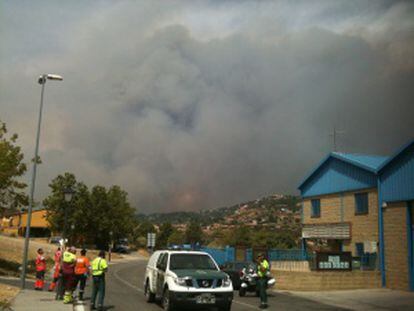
x=206 y=299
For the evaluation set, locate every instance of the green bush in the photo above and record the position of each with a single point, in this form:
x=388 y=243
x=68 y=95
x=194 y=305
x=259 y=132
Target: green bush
x=9 y=265
x=5 y=305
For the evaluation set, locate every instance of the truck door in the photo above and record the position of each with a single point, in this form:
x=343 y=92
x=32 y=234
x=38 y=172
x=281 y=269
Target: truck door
x=161 y=268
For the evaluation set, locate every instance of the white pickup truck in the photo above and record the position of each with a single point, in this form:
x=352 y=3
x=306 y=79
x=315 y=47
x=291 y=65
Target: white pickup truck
x=187 y=278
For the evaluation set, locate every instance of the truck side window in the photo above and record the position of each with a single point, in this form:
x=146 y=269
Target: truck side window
x=160 y=260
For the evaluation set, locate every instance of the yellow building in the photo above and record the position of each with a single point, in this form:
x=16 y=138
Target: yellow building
x=16 y=224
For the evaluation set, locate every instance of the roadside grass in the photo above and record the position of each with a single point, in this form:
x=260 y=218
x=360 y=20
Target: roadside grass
x=11 y=252
x=7 y=293
x=11 y=249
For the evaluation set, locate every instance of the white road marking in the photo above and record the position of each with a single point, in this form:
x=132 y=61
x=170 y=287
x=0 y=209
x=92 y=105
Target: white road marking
x=246 y=304
x=78 y=307
x=127 y=283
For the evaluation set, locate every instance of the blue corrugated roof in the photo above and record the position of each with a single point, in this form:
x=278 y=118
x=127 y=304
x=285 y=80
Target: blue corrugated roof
x=395 y=155
x=370 y=162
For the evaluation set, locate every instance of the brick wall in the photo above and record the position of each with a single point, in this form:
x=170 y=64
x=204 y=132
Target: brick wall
x=340 y=207
x=321 y=281
x=395 y=239
x=330 y=210
x=363 y=227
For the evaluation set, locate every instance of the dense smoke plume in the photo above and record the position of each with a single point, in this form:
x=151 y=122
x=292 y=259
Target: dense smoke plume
x=198 y=104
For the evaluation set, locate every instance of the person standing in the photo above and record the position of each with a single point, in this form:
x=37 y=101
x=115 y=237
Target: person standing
x=40 y=270
x=58 y=255
x=82 y=268
x=262 y=270
x=99 y=267
x=68 y=271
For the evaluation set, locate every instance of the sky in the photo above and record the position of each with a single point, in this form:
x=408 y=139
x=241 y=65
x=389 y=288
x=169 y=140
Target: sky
x=191 y=105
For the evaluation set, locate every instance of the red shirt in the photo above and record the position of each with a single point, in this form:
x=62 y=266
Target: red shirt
x=40 y=263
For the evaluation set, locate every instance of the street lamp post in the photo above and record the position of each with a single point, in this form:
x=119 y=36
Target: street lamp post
x=68 y=194
x=42 y=80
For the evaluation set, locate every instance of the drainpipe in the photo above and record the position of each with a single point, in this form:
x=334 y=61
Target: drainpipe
x=381 y=233
x=410 y=245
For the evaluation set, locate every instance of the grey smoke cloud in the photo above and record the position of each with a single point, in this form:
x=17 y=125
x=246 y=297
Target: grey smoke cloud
x=193 y=105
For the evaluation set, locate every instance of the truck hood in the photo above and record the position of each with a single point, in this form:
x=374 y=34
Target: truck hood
x=200 y=274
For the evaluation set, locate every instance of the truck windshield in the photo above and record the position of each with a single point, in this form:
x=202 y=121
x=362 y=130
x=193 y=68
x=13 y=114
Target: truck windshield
x=191 y=261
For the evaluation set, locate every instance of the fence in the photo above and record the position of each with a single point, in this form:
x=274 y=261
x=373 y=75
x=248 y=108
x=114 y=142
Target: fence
x=227 y=254
x=221 y=256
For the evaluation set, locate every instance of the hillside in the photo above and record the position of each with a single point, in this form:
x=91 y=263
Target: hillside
x=272 y=210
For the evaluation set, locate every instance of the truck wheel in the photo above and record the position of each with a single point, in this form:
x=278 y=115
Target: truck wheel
x=242 y=292
x=149 y=297
x=166 y=302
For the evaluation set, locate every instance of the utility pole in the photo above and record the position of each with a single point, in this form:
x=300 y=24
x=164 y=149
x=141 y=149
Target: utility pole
x=334 y=134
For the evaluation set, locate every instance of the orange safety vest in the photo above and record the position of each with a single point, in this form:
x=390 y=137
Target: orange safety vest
x=40 y=263
x=58 y=254
x=82 y=265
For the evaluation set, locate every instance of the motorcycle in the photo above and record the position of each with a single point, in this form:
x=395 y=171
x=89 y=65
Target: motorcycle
x=249 y=280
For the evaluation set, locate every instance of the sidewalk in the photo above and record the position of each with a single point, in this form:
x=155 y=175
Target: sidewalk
x=38 y=300
x=362 y=299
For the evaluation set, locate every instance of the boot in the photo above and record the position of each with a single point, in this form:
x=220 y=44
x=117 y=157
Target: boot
x=41 y=284
x=80 y=295
x=67 y=298
x=36 y=285
x=52 y=286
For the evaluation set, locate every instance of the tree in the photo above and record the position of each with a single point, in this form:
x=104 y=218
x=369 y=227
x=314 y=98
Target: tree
x=92 y=214
x=77 y=210
x=194 y=233
x=165 y=231
x=12 y=193
x=123 y=222
x=240 y=236
x=176 y=237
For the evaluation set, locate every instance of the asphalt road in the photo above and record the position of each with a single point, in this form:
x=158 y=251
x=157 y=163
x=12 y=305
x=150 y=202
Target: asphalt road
x=124 y=291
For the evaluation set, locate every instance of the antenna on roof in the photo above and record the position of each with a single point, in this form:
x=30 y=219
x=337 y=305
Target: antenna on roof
x=334 y=135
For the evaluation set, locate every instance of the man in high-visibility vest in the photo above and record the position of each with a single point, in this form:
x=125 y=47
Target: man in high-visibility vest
x=68 y=271
x=82 y=268
x=99 y=267
x=262 y=271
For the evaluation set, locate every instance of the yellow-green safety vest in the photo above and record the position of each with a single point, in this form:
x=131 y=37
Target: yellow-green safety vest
x=264 y=265
x=68 y=257
x=99 y=266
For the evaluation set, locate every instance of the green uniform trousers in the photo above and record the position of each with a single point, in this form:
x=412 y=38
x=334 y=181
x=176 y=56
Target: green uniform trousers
x=98 y=289
x=262 y=284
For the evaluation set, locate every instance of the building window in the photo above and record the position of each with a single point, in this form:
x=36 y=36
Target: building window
x=361 y=203
x=359 y=249
x=316 y=208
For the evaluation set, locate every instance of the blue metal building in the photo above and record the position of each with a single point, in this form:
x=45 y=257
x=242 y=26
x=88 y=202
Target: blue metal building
x=396 y=200
x=340 y=172
x=393 y=177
